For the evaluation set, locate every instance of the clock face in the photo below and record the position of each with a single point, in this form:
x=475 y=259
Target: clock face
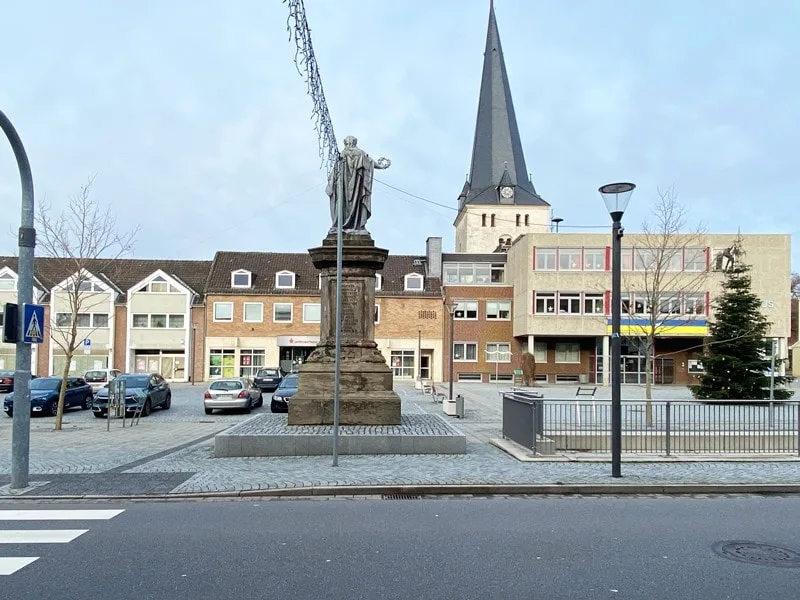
x=506 y=192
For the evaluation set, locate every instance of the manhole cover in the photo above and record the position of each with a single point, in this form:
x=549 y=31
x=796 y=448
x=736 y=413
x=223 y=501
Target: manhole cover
x=756 y=553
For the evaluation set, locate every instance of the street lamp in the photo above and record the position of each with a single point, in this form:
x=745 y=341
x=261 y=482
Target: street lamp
x=616 y=196
x=451 y=309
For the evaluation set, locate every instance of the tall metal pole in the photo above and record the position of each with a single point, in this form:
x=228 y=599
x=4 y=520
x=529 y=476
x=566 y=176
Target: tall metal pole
x=337 y=368
x=419 y=355
x=616 y=346
x=21 y=428
x=452 y=321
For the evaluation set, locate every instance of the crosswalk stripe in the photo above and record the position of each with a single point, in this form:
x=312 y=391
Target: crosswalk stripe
x=58 y=515
x=12 y=564
x=39 y=536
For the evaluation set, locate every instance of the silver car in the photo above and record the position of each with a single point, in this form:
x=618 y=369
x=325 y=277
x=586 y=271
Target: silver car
x=232 y=392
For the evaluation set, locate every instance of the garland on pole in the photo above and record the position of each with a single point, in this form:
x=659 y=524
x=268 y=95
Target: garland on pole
x=306 y=63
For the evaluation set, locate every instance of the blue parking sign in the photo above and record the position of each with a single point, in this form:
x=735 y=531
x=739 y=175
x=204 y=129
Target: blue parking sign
x=33 y=323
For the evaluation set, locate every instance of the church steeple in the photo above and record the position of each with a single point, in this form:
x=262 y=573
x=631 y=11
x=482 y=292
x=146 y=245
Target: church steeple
x=498 y=163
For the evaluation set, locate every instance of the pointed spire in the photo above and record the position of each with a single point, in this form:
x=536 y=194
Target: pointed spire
x=497 y=147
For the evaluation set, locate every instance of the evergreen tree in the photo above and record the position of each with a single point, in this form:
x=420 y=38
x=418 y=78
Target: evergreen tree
x=737 y=360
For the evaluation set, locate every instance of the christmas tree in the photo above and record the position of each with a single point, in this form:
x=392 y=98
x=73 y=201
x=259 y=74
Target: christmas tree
x=737 y=361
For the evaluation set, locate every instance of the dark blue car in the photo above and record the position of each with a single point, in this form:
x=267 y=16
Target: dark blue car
x=44 y=395
x=287 y=389
x=143 y=392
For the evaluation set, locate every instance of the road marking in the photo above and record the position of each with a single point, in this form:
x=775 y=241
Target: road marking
x=12 y=564
x=39 y=536
x=58 y=515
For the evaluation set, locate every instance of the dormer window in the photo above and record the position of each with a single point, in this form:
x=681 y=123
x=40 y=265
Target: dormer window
x=414 y=282
x=378 y=282
x=8 y=282
x=241 y=279
x=284 y=280
x=158 y=285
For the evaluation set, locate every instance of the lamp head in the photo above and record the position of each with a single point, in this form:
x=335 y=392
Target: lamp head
x=616 y=196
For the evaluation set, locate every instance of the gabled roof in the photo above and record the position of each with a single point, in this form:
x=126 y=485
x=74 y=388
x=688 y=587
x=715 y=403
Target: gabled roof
x=265 y=265
x=497 y=146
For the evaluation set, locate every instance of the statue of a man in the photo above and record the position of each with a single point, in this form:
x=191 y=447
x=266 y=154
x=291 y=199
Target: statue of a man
x=351 y=182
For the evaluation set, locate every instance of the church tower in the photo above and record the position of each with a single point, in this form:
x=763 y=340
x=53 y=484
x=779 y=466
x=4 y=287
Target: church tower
x=498 y=202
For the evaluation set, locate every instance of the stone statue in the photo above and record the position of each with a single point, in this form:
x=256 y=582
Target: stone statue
x=351 y=182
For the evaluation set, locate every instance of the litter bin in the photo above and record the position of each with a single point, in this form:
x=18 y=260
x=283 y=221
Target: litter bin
x=455 y=407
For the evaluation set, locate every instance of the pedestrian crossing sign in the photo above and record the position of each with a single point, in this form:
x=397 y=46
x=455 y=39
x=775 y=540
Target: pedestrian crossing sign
x=33 y=323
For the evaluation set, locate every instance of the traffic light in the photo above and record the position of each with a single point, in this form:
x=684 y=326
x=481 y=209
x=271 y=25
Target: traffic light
x=10 y=323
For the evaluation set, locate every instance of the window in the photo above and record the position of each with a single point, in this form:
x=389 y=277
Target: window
x=694 y=259
x=545 y=303
x=470 y=274
x=545 y=259
x=500 y=310
x=83 y=320
x=222 y=362
x=498 y=273
x=84 y=285
x=63 y=319
x=253 y=312
x=378 y=282
x=377 y=314
x=518 y=220
x=466 y=311
x=483 y=274
x=7 y=282
x=540 y=352
x=139 y=321
x=176 y=322
x=498 y=352
x=527 y=220
x=158 y=321
x=284 y=280
x=569 y=304
x=250 y=361
x=465 y=352
x=641 y=304
x=483 y=220
x=695 y=304
x=593 y=304
x=626 y=303
x=627 y=259
x=568 y=353
x=500 y=376
x=645 y=259
x=223 y=311
x=594 y=259
x=671 y=259
x=569 y=259
x=469 y=378
x=669 y=304
x=402 y=362
x=241 y=279
x=492 y=220
x=159 y=285
x=414 y=282
x=282 y=313
x=312 y=313
x=99 y=320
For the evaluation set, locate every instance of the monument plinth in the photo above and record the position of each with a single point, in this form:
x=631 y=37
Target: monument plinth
x=367 y=396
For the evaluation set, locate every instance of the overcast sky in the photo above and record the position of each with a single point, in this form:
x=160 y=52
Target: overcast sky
x=196 y=124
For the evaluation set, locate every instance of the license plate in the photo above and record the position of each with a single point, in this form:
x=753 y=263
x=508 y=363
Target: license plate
x=224 y=395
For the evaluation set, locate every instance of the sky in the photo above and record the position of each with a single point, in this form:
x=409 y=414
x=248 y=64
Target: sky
x=194 y=123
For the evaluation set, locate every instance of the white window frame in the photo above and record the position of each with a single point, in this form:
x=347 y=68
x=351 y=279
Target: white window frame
x=672 y=260
x=574 y=258
x=594 y=253
x=221 y=305
x=645 y=259
x=670 y=302
x=540 y=352
x=573 y=300
x=146 y=320
x=546 y=259
x=595 y=301
x=280 y=274
x=148 y=288
x=261 y=312
x=241 y=272
x=414 y=277
x=252 y=368
x=169 y=318
x=306 y=305
x=108 y=320
x=695 y=260
x=566 y=348
x=642 y=303
x=545 y=296
x=695 y=301
x=378 y=282
x=498 y=355
x=65 y=320
x=465 y=306
x=8 y=277
x=166 y=320
x=495 y=307
x=275 y=310
x=88 y=317
x=464 y=351
x=377 y=314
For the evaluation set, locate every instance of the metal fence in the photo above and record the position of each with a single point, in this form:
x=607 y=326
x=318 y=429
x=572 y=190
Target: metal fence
x=656 y=427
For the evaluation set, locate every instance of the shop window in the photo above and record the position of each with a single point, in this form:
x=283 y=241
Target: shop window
x=402 y=362
x=222 y=362
x=250 y=361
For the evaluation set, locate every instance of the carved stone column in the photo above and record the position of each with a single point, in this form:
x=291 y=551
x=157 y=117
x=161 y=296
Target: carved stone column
x=367 y=390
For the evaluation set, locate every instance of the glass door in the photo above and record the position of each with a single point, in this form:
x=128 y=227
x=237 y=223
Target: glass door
x=425 y=366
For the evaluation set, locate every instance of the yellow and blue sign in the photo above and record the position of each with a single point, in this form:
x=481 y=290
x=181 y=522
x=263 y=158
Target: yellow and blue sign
x=632 y=327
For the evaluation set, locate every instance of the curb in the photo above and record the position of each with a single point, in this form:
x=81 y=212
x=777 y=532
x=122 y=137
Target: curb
x=601 y=489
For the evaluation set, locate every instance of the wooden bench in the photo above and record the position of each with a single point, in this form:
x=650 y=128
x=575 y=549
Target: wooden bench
x=586 y=391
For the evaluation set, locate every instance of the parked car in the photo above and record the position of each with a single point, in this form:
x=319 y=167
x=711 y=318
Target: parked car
x=233 y=392
x=98 y=378
x=7 y=381
x=44 y=395
x=144 y=391
x=280 y=399
x=268 y=379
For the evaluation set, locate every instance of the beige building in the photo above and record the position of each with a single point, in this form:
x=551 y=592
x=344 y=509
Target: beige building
x=8 y=293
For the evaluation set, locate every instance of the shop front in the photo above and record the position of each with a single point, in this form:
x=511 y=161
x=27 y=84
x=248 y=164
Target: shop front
x=294 y=350
x=170 y=364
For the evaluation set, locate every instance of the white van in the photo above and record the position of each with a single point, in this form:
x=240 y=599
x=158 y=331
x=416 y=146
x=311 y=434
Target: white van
x=98 y=378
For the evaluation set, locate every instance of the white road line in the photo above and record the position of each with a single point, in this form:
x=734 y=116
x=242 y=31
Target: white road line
x=58 y=515
x=39 y=536
x=11 y=564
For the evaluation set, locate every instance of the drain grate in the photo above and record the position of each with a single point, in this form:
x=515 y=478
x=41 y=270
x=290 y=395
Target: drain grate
x=400 y=497
x=756 y=553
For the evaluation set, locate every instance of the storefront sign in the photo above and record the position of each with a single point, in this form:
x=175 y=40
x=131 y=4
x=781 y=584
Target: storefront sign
x=298 y=340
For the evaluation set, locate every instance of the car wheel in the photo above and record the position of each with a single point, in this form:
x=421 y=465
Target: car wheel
x=98 y=415
x=168 y=402
x=260 y=401
x=209 y=411
x=147 y=408
x=87 y=401
x=53 y=407
x=249 y=407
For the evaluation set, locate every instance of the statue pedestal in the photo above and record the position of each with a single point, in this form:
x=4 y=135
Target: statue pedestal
x=367 y=391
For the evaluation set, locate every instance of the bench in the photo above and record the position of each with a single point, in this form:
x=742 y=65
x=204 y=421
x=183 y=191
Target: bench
x=586 y=391
x=428 y=387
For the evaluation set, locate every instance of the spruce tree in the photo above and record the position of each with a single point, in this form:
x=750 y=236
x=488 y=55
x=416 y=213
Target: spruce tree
x=737 y=358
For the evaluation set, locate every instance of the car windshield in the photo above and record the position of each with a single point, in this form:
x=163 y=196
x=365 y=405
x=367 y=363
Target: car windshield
x=45 y=383
x=226 y=385
x=288 y=382
x=95 y=375
x=134 y=381
x=267 y=373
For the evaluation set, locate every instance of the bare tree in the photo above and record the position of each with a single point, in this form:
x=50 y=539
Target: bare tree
x=795 y=290
x=86 y=240
x=668 y=278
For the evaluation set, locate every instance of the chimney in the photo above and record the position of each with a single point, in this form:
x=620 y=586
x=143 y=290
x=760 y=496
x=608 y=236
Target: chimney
x=433 y=252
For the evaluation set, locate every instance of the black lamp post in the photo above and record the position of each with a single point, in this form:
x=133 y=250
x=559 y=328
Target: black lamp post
x=616 y=196
x=451 y=309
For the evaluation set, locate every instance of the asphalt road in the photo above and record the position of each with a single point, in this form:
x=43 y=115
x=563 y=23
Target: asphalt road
x=411 y=549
